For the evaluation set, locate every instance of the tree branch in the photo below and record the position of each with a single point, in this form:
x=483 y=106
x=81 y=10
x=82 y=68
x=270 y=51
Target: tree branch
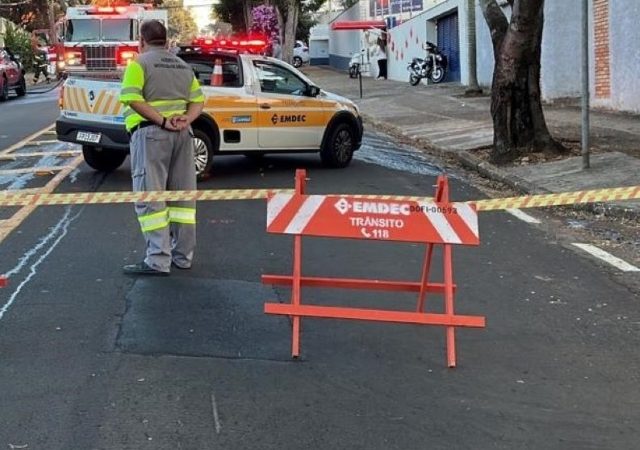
x=496 y=20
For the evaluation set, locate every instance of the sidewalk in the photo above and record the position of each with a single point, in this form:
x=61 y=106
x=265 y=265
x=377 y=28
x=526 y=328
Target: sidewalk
x=441 y=119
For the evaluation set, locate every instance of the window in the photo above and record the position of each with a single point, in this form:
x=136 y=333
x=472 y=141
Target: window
x=203 y=66
x=83 y=30
x=118 y=30
x=276 y=79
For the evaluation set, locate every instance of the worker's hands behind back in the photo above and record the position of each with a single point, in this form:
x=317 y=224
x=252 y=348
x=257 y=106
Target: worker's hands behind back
x=179 y=123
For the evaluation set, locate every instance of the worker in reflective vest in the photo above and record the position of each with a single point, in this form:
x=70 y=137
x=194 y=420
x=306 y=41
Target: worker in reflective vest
x=162 y=98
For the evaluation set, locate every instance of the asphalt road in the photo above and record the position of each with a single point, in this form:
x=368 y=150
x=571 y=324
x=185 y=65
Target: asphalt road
x=91 y=359
x=21 y=117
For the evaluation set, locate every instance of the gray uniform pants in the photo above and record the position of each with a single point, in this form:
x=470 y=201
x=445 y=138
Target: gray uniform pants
x=163 y=160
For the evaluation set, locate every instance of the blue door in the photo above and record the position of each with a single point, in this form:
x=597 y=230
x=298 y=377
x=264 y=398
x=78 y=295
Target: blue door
x=448 y=42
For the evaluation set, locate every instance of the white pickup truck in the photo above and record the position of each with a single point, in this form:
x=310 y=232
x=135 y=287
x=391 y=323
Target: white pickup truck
x=257 y=105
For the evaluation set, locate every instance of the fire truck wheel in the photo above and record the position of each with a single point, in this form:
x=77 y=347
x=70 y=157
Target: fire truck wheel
x=4 y=89
x=202 y=152
x=103 y=160
x=338 y=149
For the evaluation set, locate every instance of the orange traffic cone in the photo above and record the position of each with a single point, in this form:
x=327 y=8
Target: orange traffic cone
x=216 y=76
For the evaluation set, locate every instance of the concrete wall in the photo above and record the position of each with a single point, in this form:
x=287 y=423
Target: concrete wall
x=407 y=38
x=319 y=44
x=343 y=44
x=625 y=55
x=561 y=53
x=560 y=64
x=405 y=44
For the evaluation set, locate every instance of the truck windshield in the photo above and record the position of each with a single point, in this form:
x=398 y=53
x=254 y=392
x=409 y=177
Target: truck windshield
x=118 y=30
x=82 y=30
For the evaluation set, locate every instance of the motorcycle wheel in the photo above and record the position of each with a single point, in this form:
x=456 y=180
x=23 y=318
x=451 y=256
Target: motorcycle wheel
x=414 y=80
x=437 y=75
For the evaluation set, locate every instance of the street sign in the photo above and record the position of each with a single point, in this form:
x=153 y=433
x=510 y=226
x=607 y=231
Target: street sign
x=385 y=220
x=437 y=222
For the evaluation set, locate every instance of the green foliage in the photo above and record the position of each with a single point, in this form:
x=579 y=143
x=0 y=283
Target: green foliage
x=346 y=4
x=305 y=23
x=19 y=43
x=182 y=27
x=233 y=12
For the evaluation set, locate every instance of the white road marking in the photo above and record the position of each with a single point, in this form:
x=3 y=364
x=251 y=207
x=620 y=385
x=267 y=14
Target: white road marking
x=523 y=216
x=25 y=140
x=62 y=228
x=216 y=418
x=608 y=258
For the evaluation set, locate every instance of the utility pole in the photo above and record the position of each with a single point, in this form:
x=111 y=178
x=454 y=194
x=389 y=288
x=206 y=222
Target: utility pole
x=585 y=85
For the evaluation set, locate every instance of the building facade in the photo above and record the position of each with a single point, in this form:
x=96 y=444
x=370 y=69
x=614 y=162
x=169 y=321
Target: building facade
x=613 y=39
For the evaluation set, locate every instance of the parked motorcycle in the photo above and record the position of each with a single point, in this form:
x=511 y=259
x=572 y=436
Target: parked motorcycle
x=433 y=66
x=355 y=65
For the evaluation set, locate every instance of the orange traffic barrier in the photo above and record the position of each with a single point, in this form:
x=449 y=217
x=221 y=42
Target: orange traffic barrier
x=216 y=76
x=435 y=222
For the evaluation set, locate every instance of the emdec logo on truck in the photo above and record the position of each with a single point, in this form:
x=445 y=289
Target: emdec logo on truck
x=288 y=118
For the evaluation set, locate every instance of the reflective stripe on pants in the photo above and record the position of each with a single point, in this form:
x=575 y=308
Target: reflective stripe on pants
x=163 y=160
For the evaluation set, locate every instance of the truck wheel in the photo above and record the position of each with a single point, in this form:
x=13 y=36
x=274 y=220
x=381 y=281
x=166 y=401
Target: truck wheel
x=4 y=90
x=202 y=152
x=338 y=149
x=103 y=160
x=21 y=90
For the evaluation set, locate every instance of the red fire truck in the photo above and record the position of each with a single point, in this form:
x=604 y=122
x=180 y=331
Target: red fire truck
x=103 y=39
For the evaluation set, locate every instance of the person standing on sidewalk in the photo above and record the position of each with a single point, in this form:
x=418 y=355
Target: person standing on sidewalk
x=381 y=54
x=162 y=98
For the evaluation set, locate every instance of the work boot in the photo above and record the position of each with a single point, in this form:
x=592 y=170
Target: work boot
x=142 y=269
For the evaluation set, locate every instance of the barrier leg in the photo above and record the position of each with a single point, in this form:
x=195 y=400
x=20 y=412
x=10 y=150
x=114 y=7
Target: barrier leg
x=295 y=295
x=448 y=305
x=301 y=177
x=424 y=281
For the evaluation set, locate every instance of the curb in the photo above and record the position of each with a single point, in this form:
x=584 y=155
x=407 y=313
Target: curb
x=492 y=172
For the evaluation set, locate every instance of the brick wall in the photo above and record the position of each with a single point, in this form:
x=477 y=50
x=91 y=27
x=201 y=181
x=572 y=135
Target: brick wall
x=601 y=48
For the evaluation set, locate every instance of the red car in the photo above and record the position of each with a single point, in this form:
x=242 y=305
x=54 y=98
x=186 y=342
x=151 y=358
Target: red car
x=11 y=75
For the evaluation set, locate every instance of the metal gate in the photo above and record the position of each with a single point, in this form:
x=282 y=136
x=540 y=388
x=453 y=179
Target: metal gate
x=449 y=43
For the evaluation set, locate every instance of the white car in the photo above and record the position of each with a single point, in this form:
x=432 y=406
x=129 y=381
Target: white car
x=300 y=54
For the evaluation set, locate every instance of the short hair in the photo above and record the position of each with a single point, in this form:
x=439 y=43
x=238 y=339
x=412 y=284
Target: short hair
x=153 y=32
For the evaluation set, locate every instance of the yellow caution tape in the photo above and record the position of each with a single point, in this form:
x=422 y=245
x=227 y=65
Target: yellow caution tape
x=564 y=198
x=16 y=198
x=9 y=198
x=534 y=201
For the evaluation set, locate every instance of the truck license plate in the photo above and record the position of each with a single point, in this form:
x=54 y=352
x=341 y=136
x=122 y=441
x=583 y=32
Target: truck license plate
x=85 y=136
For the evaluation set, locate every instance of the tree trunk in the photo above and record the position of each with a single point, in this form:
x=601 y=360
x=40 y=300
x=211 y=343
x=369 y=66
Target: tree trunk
x=246 y=10
x=290 y=28
x=516 y=106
